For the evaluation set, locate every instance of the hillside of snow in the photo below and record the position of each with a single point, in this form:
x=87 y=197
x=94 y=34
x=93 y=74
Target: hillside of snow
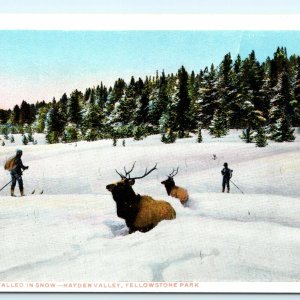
x=72 y=233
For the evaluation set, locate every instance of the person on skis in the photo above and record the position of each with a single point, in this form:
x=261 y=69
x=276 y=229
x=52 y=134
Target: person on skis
x=16 y=173
x=227 y=174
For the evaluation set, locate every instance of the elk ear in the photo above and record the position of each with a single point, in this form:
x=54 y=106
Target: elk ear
x=131 y=181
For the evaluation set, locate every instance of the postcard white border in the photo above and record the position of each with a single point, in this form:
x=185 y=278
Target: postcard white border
x=149 y=22
x=113 y=22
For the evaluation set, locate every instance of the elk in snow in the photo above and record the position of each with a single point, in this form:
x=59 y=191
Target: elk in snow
x=141 y=213
x=174 y=190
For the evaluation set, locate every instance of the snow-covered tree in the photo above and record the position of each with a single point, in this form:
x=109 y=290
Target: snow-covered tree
x=126 y=110
x=219 y=125
x=53 y=125
x=261 y=137
x=71 y=133
x=92 y=122
x=281 y=111
x=208 y=96
x=169 y=137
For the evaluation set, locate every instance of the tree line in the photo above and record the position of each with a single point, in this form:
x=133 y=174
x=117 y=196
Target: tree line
x=262 y=98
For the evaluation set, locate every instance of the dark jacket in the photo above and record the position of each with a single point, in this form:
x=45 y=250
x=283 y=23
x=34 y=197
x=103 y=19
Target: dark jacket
x=19 y=167
x=227 y=173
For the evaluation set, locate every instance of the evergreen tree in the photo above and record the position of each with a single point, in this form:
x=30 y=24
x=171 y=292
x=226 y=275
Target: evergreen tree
x=139 y=132
x=266 y=94
x=74 y=107
x=158 y=98
x=24 y=140
x=71 y=133
x=236 y=99
x=63 y=102
x=208 y=96
x=281 y=111
x=4 y=116
x=183 y=104
x=167 y=122
x=126 y=111
x=30 y=137
x=41 y=120
x=87 y=96
x=282 y=131
x=261 y=137
x=219 y=125
x=142 y=100
x=248 y=135
x=296 y=99
x=101 y=94
x=169 y=137
x=225 y=82
x=278 y=65
x=16 y=115
x=113 y=99
x=92 y=122
x=199 y=136
x=195 y=84
x=53 y=125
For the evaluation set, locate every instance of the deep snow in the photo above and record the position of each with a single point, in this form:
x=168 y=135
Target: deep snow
x=72 y=233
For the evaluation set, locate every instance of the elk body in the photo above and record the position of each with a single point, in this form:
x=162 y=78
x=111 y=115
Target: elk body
x=174 y=190
x=140 y=213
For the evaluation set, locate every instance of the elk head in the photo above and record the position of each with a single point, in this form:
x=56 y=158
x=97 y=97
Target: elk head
x=169 y=182
x=124 y=186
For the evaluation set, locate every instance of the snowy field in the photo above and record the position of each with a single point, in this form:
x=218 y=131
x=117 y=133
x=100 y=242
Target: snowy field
x=72 y=233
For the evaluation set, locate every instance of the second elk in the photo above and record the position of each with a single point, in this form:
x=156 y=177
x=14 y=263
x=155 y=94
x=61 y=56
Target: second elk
x=174 y=190
x=141 y=213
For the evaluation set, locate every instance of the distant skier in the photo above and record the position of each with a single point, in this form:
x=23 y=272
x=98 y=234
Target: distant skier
x=16 y=167
x=227 y=174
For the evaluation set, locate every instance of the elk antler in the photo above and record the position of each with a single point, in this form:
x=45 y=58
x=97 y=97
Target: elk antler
x=128 y=173
x=121 y=175
x=171 y=174
x=146 y=172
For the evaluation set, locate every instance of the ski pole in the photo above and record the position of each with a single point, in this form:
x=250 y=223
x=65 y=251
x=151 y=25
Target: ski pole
x=237 y=186
x=6 y=185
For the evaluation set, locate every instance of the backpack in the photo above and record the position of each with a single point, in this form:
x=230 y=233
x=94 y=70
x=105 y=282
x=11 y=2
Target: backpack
x=10 y=163
x=227 y=173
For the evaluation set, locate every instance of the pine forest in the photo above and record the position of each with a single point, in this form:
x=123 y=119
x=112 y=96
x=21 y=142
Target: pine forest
x=261 y=98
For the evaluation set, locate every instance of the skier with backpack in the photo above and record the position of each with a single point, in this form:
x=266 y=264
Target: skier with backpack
x=227 y=174
x=16 y=167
